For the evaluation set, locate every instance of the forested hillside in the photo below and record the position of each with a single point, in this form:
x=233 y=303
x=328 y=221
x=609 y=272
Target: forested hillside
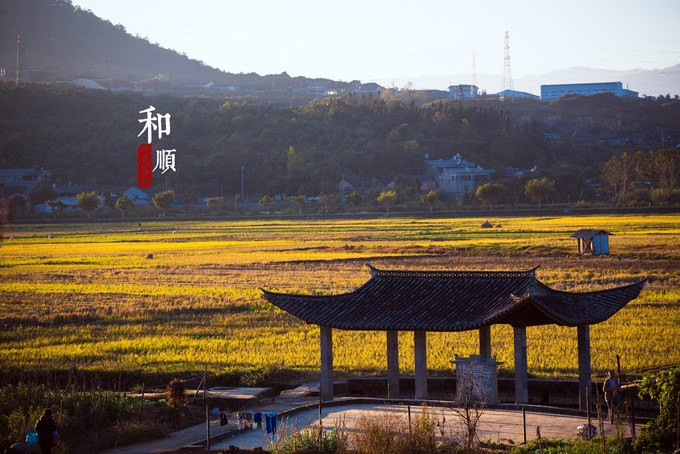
x=90 y=136
x=63 y=42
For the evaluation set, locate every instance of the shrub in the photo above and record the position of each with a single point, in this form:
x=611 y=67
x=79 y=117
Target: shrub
x=75 y=412
x=664 y=387
x=390 y=434
x=176 y=394
x=292 y=440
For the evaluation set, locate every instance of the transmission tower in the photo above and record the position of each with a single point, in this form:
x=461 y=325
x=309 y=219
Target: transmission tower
x=474 y=76
x=507 y=73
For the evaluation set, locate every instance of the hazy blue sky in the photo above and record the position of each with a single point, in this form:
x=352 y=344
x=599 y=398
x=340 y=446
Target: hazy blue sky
x=381 y=39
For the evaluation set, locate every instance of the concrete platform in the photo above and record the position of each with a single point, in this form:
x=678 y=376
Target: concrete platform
x=496 y=425
x=243 y=395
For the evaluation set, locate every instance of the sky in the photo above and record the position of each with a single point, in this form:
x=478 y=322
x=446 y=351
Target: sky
x=379 y=39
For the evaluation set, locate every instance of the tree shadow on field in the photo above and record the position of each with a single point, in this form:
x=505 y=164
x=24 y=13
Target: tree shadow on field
x=128 y=319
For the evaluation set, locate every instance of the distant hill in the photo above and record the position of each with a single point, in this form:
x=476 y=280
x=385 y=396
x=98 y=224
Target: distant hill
x=651 y=82
x=61 y=42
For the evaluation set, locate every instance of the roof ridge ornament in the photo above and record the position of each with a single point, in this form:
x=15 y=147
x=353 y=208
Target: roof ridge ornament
x=454 y=274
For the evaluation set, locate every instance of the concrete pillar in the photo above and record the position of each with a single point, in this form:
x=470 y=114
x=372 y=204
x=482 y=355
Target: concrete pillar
x=584 y=381
x=326 y=363
x=521 y=378
x=420 y=354
x=392 y=364
x=485 y=341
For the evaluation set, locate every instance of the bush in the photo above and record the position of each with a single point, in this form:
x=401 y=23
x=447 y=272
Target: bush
x=660 y=434
x=390 y=434
x=176 y=394
x=75 y=412
x=664 y=198
x=291 y=440
x=552 y=446
x=639 y=197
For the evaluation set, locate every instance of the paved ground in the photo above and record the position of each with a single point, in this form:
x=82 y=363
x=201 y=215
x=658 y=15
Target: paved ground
x=495 y=425
x=196 y=433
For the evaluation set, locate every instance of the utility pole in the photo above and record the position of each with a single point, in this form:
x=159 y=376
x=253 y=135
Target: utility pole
x=18 y=78
x=243 y=192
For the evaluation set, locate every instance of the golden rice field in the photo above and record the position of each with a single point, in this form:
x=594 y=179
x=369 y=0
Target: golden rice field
x=89 y=297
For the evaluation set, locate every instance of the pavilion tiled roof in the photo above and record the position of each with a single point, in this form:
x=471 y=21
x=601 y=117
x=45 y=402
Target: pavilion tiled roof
x=453 y=301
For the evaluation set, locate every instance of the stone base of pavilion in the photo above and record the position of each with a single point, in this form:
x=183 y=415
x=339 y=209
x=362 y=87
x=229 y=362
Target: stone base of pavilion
x=542 y=391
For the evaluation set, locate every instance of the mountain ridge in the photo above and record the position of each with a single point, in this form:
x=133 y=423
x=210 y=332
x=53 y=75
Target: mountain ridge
x=650 y=82
x=62 y=42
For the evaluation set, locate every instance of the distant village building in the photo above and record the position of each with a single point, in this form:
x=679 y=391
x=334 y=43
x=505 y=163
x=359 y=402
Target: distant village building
x=592 y=241
x=23 y=178
x=137 y=196
x=586 y=89
x=344 y=186
x=456 y=177
x=463 y=91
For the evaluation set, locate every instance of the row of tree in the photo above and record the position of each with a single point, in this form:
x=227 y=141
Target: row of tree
x=643 y=177
x=307 y=150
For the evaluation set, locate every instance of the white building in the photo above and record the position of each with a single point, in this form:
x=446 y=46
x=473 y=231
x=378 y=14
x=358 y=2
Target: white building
x=457 y=177
x=23 y=178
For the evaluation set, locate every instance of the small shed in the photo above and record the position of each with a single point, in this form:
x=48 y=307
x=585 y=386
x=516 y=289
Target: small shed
x=592 y=241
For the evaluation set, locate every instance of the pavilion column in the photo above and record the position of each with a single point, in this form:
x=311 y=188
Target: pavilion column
x=584 y=381
x=326 y=363
x=392 y=364
x=521 y=377
x=420 y=354
x=485 y=341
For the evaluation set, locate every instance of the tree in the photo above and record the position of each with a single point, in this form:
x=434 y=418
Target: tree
x=666 y=164
x=387 y=198
x=265 y=201
x=163 y=200
x=123 y=204
x=56 y=205
x=213 y=203
x=429 y=199
x=354 y=198
x=491 y=193
x=330 y=202
x=299 y=200
x=539 y=190
x=42 y=193
x=618 y=175
x=17 y=203
x=87 y=201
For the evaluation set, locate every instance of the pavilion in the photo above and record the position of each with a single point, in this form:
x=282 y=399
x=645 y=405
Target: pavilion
x=446 y=301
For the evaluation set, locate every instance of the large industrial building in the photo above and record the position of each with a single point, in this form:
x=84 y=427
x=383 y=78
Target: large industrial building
x=508 y=93
x=463 y=91
x=557 y=91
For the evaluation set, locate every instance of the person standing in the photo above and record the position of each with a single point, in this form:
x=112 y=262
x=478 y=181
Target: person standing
x=46 y=429
x=611 y=393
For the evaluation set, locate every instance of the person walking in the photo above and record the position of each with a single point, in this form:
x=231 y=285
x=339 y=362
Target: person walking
x=610 y=390
x=47 y=431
